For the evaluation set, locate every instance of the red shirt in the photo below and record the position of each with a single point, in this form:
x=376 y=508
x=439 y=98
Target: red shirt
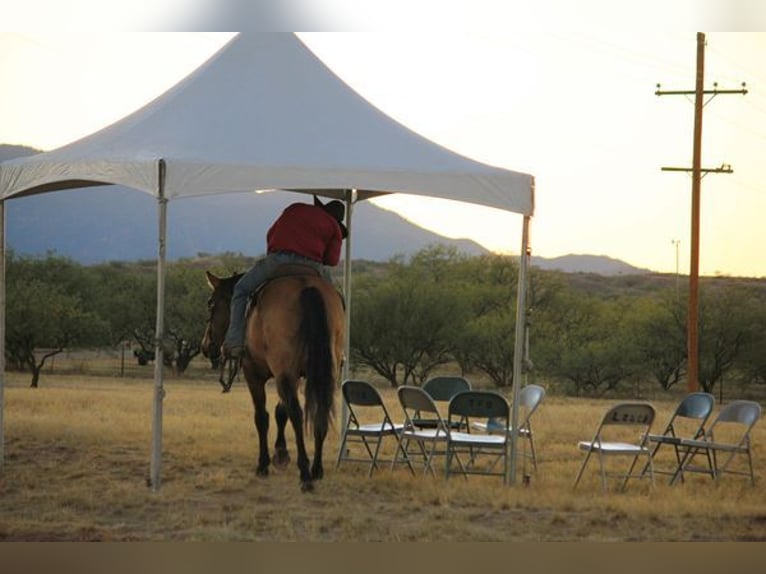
x=307 y=230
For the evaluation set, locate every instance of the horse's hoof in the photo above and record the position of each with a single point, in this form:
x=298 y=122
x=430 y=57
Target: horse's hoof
x=281 y=458
x=263 y=472
x=307 y=486
x=281 y=461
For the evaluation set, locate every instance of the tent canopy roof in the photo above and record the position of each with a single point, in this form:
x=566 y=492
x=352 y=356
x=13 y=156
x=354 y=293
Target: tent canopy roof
x=265 y=113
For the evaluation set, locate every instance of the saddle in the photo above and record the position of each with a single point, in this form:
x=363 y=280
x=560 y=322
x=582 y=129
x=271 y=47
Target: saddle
x=285 y=270
x=289 y=270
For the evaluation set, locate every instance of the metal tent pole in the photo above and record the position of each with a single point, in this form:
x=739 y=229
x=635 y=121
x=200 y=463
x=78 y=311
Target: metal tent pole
x=518 y=347
x=350 y=199
x=159 y=391
x=2 y=333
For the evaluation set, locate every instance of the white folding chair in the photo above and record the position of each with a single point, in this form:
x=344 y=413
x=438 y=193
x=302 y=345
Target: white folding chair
x=687 y=422
x=365 y=404
x=415 y=402
x=530 y=398
x=622 y=432
x=729 y=435
x=482 y=404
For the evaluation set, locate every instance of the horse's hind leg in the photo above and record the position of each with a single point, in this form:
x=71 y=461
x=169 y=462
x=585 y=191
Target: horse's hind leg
x=317 y=470
x=287 y=388
x=281 y=456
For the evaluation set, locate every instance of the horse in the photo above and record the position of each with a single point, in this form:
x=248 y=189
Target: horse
x=295 y=331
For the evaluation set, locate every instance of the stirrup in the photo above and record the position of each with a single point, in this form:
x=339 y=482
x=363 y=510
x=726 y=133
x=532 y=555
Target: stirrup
x=234 y=352
x=226 y=379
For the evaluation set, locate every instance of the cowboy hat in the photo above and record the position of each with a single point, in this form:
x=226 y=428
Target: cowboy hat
x=337 y=210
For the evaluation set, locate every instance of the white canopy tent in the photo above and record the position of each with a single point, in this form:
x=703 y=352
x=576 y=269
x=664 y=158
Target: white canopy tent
x=263 y=113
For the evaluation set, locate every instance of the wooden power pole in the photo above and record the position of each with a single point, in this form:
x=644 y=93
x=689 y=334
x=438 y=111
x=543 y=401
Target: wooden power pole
x=699 y=92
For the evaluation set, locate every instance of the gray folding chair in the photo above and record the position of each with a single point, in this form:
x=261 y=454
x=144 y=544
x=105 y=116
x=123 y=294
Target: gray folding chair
x=530 y=397
x=729 y=435
x=365 y=404
x=481 y=404
x=415 y=401
x=441 y=389
x=687 y=421
x=622 y=432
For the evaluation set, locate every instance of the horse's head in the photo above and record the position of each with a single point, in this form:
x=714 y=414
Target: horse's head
x=218 y=315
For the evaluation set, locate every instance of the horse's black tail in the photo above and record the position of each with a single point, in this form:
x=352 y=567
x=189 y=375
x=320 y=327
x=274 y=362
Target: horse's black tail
x=320 y=383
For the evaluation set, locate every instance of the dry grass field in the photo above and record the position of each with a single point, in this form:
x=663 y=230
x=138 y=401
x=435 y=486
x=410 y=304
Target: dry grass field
x=77 y=454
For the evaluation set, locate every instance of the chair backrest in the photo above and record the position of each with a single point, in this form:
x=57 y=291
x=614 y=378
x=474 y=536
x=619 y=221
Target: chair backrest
x=443 y=388
x=630 y=414
x=484 y=404
x=362 y=393
x=530 y=398
x=416 y=399
x=696 y=406
x=743 y=412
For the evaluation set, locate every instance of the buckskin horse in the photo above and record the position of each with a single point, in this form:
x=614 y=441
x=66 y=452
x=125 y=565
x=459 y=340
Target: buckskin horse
x=295 y=330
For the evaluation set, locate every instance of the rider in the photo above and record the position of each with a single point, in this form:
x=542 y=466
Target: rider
x=303 y=235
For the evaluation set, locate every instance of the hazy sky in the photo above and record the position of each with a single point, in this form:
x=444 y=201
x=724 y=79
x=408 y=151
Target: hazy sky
x=575 y=109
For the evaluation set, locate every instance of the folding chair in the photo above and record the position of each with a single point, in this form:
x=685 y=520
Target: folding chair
x=530 y=398
x=688 y=421
x=415 y=401
x=615 y=436
x=483 y=404
x=441 y=389
x=362 y=398
x=729 y=434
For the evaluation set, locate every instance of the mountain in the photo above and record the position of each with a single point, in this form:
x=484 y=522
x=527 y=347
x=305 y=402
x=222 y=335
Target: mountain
x=598 y=264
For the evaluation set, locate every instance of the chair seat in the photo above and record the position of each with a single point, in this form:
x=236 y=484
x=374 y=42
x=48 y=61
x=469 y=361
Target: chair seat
x=664 y=439
x=612 y=447
x=376 y=428
x=477 y=439
x=433 y=423
x=425 y=434
x=706 y=444
x=494 y=427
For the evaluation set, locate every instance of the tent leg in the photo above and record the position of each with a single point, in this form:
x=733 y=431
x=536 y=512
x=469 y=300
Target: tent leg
x=159 y=391
x=2 y=333
x=350 y=199
x=518 y=348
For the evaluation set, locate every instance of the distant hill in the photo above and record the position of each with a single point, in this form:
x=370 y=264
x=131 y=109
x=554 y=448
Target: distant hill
x=598 y=264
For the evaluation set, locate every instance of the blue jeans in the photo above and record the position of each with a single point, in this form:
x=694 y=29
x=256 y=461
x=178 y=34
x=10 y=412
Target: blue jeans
x=259 y=273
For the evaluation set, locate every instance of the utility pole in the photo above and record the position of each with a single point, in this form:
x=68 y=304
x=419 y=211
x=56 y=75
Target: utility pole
x=692 y=338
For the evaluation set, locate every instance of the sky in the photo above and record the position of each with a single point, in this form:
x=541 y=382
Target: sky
x=574 y=107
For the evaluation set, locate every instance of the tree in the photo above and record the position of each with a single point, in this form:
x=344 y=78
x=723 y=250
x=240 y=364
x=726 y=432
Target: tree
x=488 y=345
x=488 y=285
x=660 y=338
x=751 y=362
x=42 y=321
x=586 y=341
x=724 y=331
x=405 y=323
x=186 y=314
x=403 y=330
